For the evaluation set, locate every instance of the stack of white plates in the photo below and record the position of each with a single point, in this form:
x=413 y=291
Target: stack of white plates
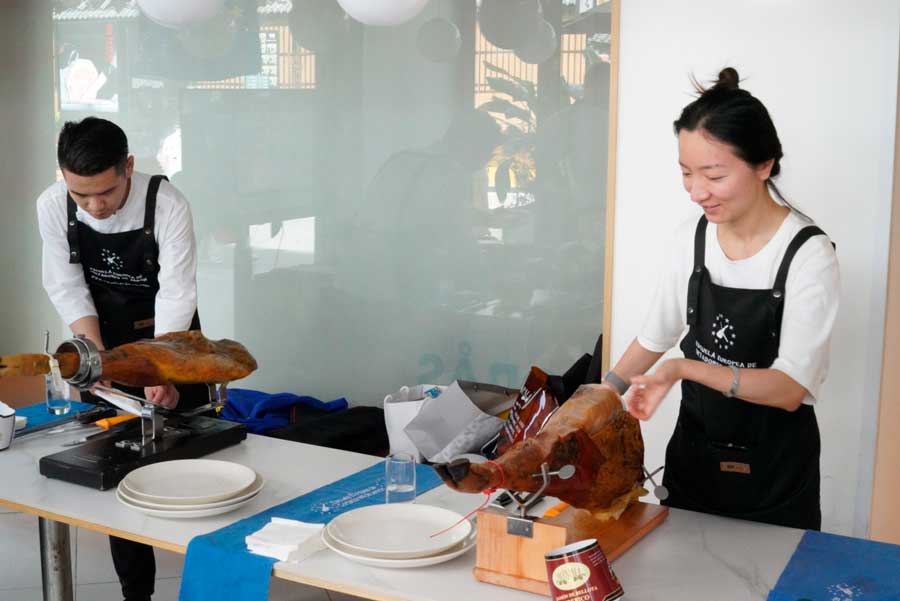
x=399 y=535
x=189 y=488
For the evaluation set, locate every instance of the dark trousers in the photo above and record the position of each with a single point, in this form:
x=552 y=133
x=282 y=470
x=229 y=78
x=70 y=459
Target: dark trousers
x=135 y=566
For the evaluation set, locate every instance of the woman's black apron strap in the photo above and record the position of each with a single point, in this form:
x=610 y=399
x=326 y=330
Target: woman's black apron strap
x=697 y=274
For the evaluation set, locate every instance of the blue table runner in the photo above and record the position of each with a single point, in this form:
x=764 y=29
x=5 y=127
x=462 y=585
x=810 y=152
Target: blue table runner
x=829 y=567
x=219 y=566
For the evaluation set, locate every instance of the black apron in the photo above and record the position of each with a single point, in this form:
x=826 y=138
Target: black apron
x=121 y=271
x=732 y=457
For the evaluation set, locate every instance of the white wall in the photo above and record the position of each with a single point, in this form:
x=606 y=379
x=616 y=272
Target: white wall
x=827 y=71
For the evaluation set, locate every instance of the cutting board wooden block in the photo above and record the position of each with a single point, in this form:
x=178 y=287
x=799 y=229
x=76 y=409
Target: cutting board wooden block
x=518 y=562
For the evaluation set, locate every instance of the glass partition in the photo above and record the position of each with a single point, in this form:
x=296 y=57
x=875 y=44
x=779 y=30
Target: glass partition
x=375 y=205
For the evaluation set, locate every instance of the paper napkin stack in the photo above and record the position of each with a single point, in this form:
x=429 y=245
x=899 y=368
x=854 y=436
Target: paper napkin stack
x=286 y=540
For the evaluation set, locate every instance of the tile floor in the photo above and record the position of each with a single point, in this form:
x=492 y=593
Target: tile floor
x=20 y=568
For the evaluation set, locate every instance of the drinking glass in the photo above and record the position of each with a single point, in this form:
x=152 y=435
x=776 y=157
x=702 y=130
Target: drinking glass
x=400 y=478
x=58 y=402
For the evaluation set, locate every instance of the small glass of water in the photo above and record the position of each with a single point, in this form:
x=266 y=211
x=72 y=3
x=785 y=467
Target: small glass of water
x=58 y=402
x=400 y=478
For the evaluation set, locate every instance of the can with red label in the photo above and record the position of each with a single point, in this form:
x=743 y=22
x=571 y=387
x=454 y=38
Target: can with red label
x=580 y=572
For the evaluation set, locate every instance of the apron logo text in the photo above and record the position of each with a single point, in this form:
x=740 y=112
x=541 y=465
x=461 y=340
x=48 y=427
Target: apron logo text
x=713 y=358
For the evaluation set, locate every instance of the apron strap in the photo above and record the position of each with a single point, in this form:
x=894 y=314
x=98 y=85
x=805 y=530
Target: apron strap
x=150 y=250
x=72 y=230
x=776 y=299
x=693 y=300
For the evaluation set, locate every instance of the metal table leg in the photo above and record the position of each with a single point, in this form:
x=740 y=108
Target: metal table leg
x=56 y=561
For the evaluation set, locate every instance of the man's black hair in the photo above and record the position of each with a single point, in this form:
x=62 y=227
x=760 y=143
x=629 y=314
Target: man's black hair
x=91 y=146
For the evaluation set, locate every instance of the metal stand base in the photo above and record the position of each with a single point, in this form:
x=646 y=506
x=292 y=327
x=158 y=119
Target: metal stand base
x=56 y=561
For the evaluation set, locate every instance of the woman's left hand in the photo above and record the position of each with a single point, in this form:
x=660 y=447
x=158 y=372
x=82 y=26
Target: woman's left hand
x=648 y=391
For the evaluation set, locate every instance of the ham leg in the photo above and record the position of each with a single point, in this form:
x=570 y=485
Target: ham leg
x=592 y=432
x=174 y=358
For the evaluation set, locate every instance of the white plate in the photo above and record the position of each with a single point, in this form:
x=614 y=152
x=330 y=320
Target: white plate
x=398 y=530
x=151 y=501
x=418 y=562
x=189 y=481
x=184 y=513
x=135 y=499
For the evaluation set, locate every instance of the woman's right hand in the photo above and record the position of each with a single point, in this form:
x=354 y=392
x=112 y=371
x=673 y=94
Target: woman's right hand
x=648 y=391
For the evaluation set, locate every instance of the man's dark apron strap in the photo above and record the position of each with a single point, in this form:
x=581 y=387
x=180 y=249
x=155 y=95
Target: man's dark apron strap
x=149 y=221
x=72 y=231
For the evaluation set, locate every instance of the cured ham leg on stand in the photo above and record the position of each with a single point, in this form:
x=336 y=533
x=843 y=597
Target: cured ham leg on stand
x=591 y=432
x=174 y=358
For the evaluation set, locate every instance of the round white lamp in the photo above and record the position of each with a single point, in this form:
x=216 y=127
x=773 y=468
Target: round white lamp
x=383 y=13
x=177 y=14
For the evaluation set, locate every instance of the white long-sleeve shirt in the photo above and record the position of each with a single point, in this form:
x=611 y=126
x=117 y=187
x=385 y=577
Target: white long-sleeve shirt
x=173 y=230
x=810 y=300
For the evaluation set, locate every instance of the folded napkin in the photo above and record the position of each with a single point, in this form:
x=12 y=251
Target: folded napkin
x=286 y=540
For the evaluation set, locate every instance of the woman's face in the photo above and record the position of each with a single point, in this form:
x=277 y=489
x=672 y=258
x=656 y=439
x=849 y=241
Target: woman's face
x=723 y=184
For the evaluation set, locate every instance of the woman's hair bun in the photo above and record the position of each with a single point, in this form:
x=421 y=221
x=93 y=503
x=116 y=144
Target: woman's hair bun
x=728 y=79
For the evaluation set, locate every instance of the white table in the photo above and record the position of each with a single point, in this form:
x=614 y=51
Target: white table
x=691 y=556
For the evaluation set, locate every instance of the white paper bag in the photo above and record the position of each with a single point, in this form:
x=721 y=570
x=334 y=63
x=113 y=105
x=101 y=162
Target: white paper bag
x=460 y=420
x=399 y=409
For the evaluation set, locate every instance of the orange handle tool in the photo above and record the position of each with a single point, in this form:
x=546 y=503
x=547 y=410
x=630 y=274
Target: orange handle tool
x=108 y=422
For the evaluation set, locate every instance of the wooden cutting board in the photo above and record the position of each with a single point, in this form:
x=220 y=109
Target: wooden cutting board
x=518 y=562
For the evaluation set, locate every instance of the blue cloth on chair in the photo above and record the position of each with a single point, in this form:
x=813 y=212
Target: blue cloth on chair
x=219 y=566
x=38 y=415
x=262 y=412
x=831 y=567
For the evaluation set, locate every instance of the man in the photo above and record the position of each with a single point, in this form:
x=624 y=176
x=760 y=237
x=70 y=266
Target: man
x=119 y=265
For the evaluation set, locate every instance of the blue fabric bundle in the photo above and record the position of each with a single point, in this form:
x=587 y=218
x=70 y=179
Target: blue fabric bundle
x=219 y=566
x=262 y=412
x=832 y=567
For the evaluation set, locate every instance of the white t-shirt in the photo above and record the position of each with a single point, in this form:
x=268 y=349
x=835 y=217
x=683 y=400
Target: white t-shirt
x=173 y=229
x=810 y=303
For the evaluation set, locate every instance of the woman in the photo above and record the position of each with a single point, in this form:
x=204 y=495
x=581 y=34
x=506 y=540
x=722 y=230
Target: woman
x=757 y=286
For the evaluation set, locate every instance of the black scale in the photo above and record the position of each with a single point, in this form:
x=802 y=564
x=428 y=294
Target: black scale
x=103 y=461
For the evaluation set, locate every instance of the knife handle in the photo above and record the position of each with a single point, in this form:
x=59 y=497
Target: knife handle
x=112 y=421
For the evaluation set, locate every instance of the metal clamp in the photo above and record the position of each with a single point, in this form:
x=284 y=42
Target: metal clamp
x=522 y=524
x=156 y=423
x=89 y=363
x=659 y=491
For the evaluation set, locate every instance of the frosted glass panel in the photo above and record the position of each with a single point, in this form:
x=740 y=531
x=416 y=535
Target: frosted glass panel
x=375 y=206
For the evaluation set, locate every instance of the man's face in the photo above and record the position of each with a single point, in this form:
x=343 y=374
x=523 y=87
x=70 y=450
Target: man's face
x=103 y=194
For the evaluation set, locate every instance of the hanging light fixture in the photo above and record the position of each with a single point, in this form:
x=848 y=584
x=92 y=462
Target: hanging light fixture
x=383 y=13
x=177 y=14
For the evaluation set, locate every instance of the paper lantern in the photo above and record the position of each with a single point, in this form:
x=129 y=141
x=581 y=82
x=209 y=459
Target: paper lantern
x=439 y=40
x=176 y=14
x=383 y=12
x=509 y=24
x=540 y=47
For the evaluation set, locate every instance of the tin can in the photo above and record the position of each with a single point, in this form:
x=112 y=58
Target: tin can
x=580 y=572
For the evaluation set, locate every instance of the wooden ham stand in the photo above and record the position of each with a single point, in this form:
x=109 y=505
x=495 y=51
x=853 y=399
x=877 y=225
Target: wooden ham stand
x=510 y=548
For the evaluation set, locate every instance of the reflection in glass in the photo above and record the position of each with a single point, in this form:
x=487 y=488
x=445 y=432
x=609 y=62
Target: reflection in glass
x=374 y=206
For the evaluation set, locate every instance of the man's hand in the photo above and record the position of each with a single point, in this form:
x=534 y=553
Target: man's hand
x=165 y=395
x=648 y=391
